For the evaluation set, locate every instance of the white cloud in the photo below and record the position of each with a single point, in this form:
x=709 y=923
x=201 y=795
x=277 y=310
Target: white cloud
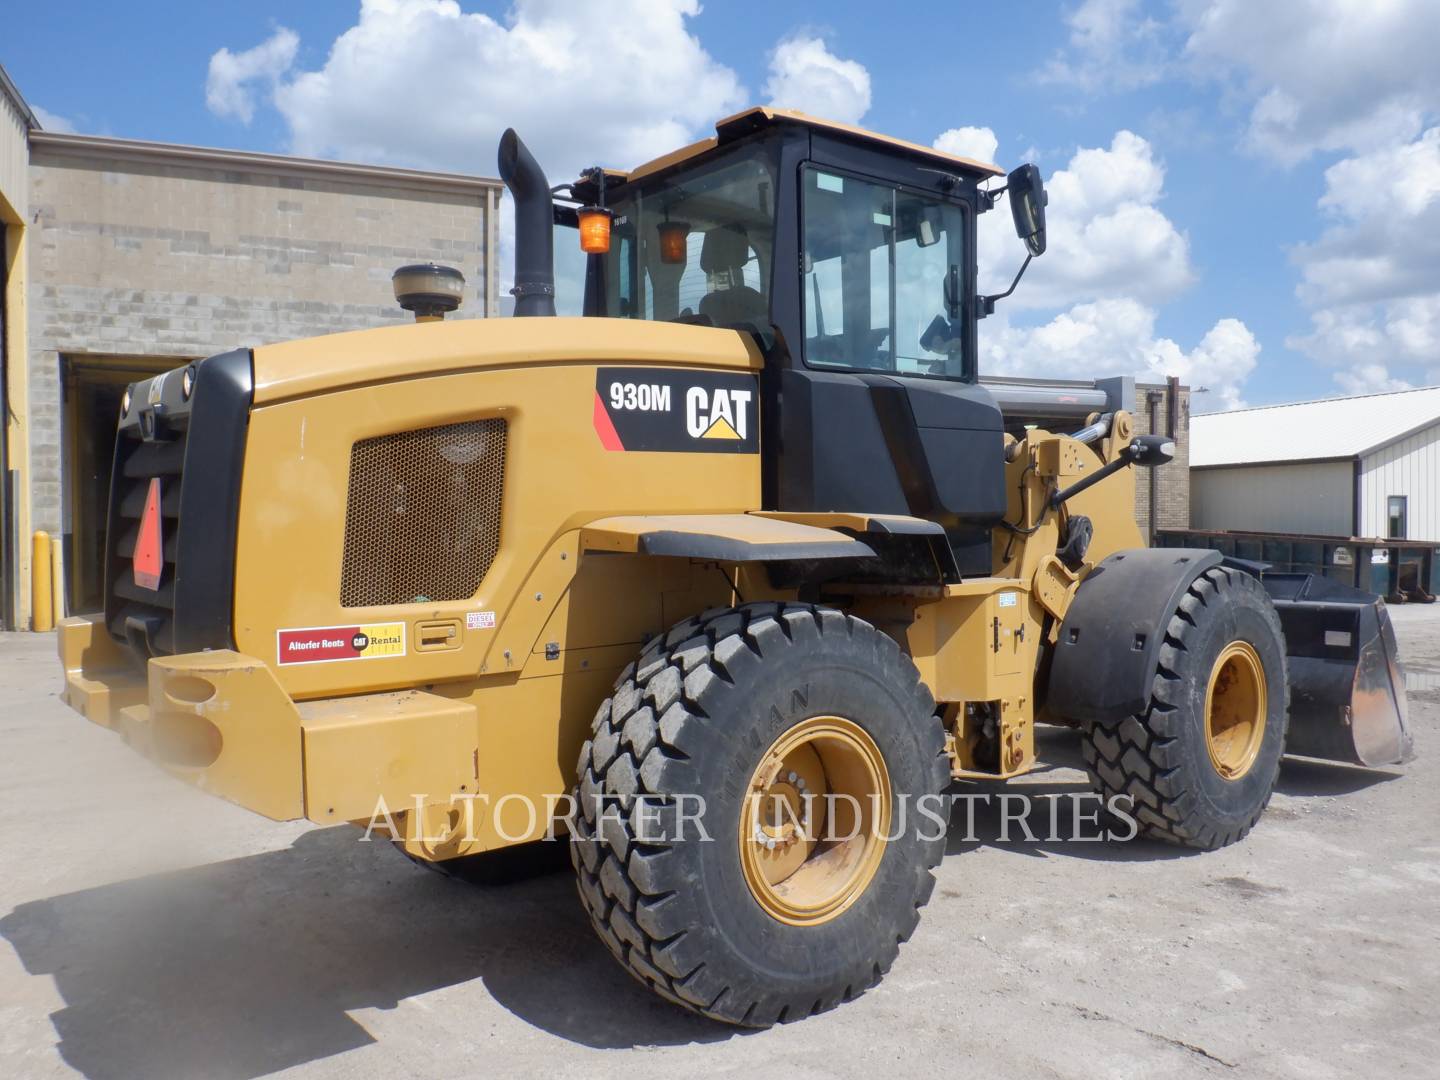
x=1369 y=379
x=1315 y=75
x=1113 y=45
x=1352 y=77
x=52 y=121
x=806 y=75
x=421 y=82
x=1322 y=74
x=230 y=83
x=1357 y=78
x=1106 y=236
x=976 y=143
x=1384 y=238
x=1372 y=279
x=1117 y=337
x=1112 y=256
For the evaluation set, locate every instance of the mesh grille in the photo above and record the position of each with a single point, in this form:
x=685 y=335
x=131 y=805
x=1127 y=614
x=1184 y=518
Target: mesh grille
x=423 y=518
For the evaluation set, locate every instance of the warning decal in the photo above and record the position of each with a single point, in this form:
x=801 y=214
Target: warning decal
x=149 y=561
x=326 y=644
x=668 y=410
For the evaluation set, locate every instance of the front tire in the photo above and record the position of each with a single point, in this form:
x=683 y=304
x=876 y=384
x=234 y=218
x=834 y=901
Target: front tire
x=1199 y=764
x=750 y=708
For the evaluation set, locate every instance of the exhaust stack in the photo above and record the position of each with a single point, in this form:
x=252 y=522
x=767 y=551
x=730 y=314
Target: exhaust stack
x=534 y=289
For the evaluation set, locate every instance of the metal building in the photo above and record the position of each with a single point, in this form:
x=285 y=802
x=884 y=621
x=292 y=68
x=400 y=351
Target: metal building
x=123 y=258
x=1353 y=467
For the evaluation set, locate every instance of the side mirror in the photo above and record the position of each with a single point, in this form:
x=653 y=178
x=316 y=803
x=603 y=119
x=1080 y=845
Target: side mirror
x=1027 y=206
x=1148 y=451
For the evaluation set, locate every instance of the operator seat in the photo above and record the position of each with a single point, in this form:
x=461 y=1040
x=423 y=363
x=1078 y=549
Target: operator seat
x=730 y=301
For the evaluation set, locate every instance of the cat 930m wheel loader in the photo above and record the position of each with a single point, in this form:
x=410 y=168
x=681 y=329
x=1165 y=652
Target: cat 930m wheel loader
x=732 y=576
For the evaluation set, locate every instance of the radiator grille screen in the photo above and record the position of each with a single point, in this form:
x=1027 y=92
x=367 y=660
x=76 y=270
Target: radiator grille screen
x=423 y=518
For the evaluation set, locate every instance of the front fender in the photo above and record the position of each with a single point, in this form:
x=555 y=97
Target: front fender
x=1111 y=635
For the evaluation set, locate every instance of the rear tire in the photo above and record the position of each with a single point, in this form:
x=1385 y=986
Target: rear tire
x=716 y=708
x=1200 y=762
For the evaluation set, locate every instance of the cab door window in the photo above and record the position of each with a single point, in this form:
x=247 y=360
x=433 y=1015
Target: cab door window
x=883 y=268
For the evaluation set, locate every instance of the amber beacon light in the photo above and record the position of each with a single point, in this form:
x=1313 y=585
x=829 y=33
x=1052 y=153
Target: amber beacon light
x=594 y=230
x=673 y=235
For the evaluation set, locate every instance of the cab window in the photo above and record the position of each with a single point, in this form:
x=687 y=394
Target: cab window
x=696 y=245
x=883 y=275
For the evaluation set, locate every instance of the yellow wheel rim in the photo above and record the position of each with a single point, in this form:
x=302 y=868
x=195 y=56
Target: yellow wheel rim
x=1235 y=709
x=815 y=819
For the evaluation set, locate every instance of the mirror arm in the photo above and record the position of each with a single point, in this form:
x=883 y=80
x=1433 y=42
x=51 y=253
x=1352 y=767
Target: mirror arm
x=1121 y=462
x=990 y=196
x=987 y=303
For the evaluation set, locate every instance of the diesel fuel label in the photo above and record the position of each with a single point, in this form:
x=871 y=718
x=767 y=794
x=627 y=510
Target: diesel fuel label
x=699 y=412
x=327 y=644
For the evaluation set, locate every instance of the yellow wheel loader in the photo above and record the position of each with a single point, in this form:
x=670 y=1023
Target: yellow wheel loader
x=722 y=583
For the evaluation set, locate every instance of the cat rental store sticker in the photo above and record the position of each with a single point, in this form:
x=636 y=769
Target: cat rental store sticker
x=328 y=644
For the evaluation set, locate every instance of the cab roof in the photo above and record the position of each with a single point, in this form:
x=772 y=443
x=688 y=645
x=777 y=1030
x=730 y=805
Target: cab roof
x=750 y=120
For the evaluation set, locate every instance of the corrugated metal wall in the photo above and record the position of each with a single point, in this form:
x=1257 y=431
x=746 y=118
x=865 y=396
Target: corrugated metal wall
x=14 y=159
x=1410 y=467
x=1314 y=497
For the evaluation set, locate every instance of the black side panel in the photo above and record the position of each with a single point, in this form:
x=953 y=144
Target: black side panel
x=883 y=444
x=963 y=436
x=210 y=499
x=904 y=447
x=833 y=452
x=1111 y=637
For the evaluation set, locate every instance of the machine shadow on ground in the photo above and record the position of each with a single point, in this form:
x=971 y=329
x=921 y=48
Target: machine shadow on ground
x=253 y=965
x=1059 y=818
x=249 y=966
x=1060 y=814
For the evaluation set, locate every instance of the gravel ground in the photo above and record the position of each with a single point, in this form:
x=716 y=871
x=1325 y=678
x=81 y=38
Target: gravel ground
x=151 y=931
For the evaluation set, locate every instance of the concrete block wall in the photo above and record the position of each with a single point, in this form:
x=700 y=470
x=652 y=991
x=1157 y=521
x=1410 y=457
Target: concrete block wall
x=132 y=255
x=1172 y=481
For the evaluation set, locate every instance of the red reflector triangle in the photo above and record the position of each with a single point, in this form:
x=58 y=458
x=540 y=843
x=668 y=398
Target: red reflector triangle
x=150 y=544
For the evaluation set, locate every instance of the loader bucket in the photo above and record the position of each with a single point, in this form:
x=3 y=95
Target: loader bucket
x=1347 y=689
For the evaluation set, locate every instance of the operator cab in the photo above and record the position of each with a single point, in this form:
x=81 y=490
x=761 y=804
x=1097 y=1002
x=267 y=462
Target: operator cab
x=851 y=258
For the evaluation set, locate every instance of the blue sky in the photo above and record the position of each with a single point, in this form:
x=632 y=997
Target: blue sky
x=1211 y=243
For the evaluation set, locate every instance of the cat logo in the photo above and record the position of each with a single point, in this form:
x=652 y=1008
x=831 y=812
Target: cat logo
x=717 y=414
x=674 y=410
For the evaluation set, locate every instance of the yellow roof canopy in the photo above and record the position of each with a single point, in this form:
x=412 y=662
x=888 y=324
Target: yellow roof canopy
x=742 y=123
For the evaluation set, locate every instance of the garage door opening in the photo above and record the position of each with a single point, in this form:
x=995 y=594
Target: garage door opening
x=93 y=386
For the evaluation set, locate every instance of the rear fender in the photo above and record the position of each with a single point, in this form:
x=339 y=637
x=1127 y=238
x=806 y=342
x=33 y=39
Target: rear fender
x=728 y=538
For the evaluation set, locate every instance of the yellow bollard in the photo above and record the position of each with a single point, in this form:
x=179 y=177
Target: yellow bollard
x=42 y=595
x=57 y=579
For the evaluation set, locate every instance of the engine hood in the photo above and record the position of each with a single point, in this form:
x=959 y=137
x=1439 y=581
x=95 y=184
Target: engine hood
x=318 y=365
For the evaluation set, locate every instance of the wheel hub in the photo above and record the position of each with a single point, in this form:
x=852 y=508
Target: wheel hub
x=814 y=821
x=1235 y=710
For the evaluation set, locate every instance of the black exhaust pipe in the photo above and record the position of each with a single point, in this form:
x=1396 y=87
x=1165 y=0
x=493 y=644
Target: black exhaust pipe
x=534 y=289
